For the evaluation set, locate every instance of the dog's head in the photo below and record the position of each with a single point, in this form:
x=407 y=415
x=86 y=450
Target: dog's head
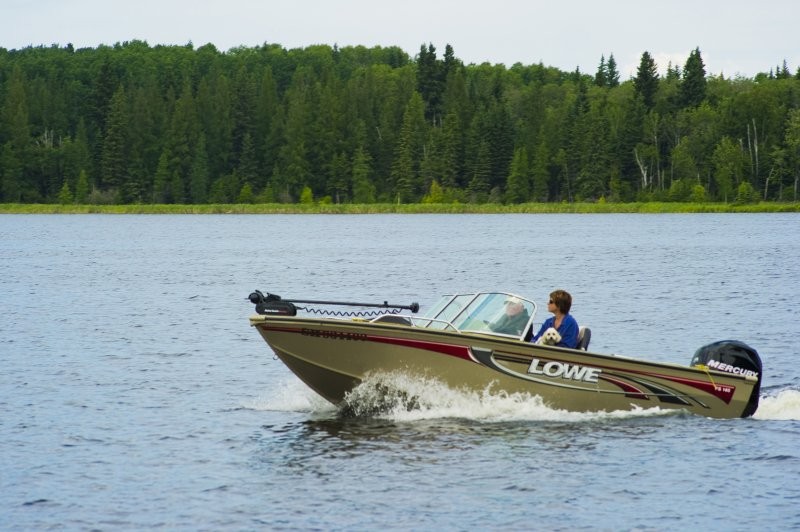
x=550 y=337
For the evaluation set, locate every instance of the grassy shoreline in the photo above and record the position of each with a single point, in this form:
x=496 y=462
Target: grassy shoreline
x=417 y=208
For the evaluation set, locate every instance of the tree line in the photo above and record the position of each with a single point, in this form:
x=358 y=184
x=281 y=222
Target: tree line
x=131 y=123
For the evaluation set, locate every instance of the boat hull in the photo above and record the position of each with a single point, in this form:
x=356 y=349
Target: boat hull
x=333 y=356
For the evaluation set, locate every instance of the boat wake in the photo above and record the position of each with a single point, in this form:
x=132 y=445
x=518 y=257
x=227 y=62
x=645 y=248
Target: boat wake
x=784 y=405
x=401 y=397
x=290 y=396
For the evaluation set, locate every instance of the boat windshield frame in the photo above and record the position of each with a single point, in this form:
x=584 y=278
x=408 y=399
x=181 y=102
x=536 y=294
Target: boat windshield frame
x=475 y=313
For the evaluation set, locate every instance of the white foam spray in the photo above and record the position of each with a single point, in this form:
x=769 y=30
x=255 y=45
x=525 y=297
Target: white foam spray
x=290 y=396
x=402 y=397
x=785 y=405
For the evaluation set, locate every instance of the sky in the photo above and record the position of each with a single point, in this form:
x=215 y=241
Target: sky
x=735 y=37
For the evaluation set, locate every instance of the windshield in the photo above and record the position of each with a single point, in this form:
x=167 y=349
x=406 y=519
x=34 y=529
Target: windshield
x=490 y=312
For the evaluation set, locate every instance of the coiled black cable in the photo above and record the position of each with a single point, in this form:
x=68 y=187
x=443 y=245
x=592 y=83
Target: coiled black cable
x=349 y=313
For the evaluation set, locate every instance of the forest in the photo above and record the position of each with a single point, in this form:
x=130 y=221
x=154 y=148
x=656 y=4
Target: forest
x=138 y=124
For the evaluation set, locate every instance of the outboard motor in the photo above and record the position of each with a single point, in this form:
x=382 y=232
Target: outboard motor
x=736 y=357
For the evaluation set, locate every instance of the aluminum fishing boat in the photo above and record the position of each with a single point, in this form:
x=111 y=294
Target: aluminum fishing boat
x=460 y=341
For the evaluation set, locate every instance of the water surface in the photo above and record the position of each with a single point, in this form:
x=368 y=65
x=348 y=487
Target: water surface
x=134 y=393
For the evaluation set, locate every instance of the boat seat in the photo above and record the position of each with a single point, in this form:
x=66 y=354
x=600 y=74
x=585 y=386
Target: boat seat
x=393 y=319
x=584 y=335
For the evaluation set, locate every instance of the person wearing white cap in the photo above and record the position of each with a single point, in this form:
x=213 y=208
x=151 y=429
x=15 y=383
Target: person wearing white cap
x=514 y=319
x=560 y=303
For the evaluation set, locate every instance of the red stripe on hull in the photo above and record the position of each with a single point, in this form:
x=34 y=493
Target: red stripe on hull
x=458 y=351
x=630 y=391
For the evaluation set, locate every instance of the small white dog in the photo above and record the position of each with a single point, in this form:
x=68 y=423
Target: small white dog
x=549 y=337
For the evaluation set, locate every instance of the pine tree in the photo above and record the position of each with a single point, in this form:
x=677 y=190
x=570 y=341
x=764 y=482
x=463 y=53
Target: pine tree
x=267 y=108
x=540 y=173
x=65 y=194
x=430 y=82
x=161 y=193
x=479 y=185
x=245 y=194
x=693 y=86
x=646 y=81
x=198 y=179
x=248 y=161
x=77 y=157
x=673 y=72
x=363 y=189
x=576 y=142
x=294 y=164
x=517 y=184
x=177 y=188
x=564 y=180
x=330 y=140
x=114 y=162
x=612 y=74
x=745 y=193
x=450 y=62
x=214 y=110
x=435 y=193
x=244 y=104
x=451 y=158
x=405 y=168
x=498 y=133
x=783 y=71
x=15 y=128
x=144 y=135
x=601 y=77
x=181 y=139
x=104 y=84
x=82 y=188
x=593 y=170
x=607 y=74
x=339 y=176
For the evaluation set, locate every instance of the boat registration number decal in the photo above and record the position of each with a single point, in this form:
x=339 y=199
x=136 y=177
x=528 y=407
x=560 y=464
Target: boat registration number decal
x=564 y=370
x=334 y=335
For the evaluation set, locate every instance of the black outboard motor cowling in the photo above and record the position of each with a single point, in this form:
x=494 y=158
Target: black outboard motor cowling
x=735 y=357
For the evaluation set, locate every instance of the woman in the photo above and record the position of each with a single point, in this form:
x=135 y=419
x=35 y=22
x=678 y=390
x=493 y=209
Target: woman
x=562 y=321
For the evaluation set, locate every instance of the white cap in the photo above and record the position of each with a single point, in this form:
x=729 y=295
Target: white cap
x=512 y=299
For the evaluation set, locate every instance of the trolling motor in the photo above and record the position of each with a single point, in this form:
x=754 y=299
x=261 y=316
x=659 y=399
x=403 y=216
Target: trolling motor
x=273 y=304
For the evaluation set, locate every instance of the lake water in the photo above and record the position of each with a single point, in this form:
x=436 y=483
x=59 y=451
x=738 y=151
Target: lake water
x=134 y=394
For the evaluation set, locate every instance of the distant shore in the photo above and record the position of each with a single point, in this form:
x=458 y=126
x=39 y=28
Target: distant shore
x=416 y=208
